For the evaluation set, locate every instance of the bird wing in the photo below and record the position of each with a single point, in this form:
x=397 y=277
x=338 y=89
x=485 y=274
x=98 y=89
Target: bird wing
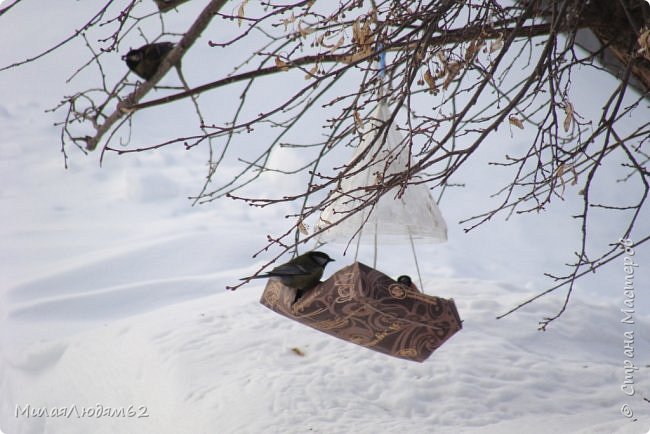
x=158 y=51
x=289 y=270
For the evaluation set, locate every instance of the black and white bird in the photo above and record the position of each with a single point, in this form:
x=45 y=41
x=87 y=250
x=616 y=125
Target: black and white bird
x=302 y=272
x=146 y=60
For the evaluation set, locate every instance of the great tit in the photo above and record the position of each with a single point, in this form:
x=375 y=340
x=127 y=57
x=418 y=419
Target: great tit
x=146 y=60
x=407 y=281
x=302 y=272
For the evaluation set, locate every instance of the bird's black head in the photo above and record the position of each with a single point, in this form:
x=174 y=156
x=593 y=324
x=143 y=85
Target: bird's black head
x=133 y=57
x=405 y=280
x=320 y=258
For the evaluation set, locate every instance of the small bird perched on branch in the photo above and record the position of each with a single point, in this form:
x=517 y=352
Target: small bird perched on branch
x=302 y=272
x=146 y=60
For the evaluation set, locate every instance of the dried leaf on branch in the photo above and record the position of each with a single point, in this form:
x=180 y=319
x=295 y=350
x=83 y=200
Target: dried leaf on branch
x=241 y=13
x=568 y=110
x=644 y=43
x=284 y=66
x=431 y=82
x=516 y=122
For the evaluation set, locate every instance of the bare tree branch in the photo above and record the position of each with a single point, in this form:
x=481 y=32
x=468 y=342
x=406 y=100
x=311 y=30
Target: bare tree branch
x=456 y=73
x=172 y=58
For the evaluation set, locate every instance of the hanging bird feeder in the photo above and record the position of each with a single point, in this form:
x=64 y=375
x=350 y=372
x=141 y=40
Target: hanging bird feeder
x=364 y=306
x=358 y=303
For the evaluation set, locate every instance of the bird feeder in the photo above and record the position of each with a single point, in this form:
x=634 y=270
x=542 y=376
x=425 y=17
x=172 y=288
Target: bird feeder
x=364 y=306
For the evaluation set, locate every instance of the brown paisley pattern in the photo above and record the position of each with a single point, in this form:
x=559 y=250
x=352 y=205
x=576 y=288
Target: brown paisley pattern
x=364 y=306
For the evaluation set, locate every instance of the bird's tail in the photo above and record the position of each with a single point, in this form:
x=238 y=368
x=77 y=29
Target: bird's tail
x=261 y=276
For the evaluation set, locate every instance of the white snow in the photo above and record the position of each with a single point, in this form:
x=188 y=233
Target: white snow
x=113 y=297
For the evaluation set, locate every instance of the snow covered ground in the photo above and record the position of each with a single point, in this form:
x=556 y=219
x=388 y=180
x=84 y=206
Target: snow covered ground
x=112 y=300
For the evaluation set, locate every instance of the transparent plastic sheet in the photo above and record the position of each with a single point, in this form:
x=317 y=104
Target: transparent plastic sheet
x=412 y=216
